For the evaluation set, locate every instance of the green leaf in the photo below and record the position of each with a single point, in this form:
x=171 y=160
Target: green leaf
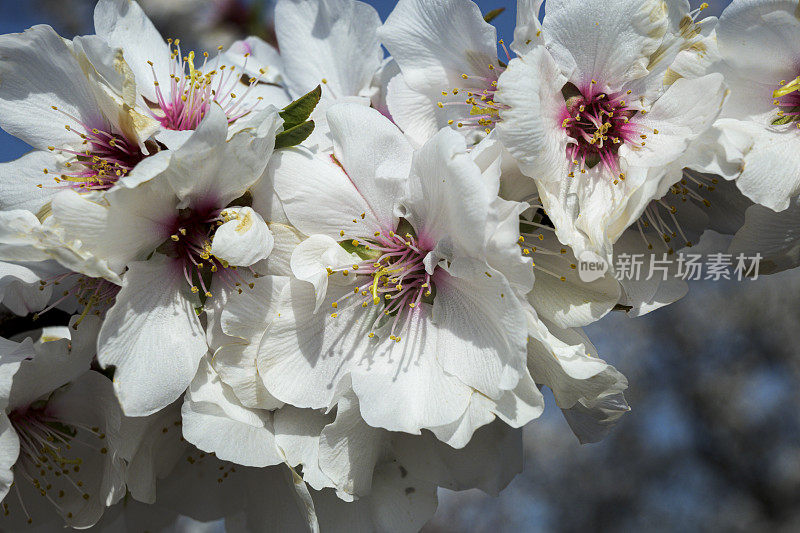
x=298 y=111
x=294 y=136
x=493 y=14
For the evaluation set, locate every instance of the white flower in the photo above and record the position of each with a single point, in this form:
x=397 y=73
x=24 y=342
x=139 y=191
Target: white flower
x=20 y=290
x=390 y=479
x=58 y=430
x=591 y=124
x=332 y=43
x=151 y=446
x=759 y=45
x=178 y=88
x=215 y=421
x=774 y=236
x=86 y=136
x=164 y=231
x=329 y=42
x=421 y=312
x=586 y=388
x=447 y=55
x=48 y=270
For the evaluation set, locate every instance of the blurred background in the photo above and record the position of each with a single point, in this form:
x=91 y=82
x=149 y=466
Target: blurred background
x=713 y=439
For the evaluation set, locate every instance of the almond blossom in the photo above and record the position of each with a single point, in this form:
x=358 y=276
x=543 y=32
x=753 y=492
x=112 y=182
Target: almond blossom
x=168 y=231
x=597 y=130
x=758 y=49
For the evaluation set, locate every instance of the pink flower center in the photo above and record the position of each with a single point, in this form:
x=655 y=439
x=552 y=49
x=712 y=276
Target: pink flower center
x=106 y=158
x=479 y=110
x=396 y=278
x=192 y=231
x=787 y=99
x=598 y=124
x=185 y=99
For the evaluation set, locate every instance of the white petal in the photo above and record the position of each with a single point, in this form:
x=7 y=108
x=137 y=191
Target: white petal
x=415 y=112
x=151 y=446
x=489 y=462
x=374 y=154
x=330 y=39
x=776 y=236
x=436 y=42
x=297 y=433
x=608 y=43
x=286 y=240
x=318 y=197
x=12 y=354
x=247 y=314
x=25 y=185
x=528 y=31
x=404 y=388
x=113 y=84
x=152 y=336
x=530 y=127
x=131 y=227
x=320 y=139
x=564 y=361
x=88 y=402
x=9 y=451
x=20 y=289
x=503 y=252
x=312 y=258
x=458 y=434
x=243 y=240
x=448 y=200
x=59 y=359
x=680 y=115
x=257 y=55
x=349 y=449
x=306 y=355
x=591 y=423
x=215 y=422
x=398 y=503
x=762 y=179
x=242 y=323
x=123 y=24
x=642 y=294
x=195 y=167
x=560 y=296
x=39 y=72
x=760 y=39
x=481 y=328
x=389 y=69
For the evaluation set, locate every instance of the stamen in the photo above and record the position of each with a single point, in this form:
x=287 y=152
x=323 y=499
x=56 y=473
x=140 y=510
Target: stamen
x=189 y=97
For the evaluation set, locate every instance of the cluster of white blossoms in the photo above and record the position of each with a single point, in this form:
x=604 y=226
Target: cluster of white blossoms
x=307 y=286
